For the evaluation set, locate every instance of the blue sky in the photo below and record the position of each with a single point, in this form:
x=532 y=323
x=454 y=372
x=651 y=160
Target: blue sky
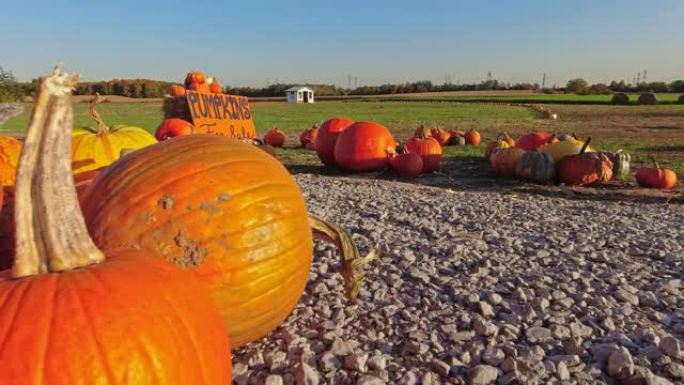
x=252 y=42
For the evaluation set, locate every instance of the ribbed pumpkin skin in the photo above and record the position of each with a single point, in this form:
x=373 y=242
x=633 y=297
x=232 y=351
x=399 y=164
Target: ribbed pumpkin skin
x=559 y=150
x=429 y=149
x=364 y=146
x=536 y=167
x=92 y=150
x=621 y=164
x=222 y=208
x=74 y=332
x=584 y=169
x=10 y=149
x=494 y=144
x=327 y=137
x=172 y=127
x=505 y=160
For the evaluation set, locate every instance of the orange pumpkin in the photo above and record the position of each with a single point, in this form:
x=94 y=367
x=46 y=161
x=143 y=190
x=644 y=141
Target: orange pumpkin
x=194 y=77
x=656 y=176
x=429 y=150
x=472 y=137
x=275 y=137
x=72 y=314
x=177 y=90
x=170 y=128
x=199 y=87
x=408 y=165
x=308 y=136
x=364 y=146
x=535 y=140
x=215 y=87
x=584 y=168
x=10 y=148
x=502 y=141
x=441 y=136
x=504 y=160
x=327 y=137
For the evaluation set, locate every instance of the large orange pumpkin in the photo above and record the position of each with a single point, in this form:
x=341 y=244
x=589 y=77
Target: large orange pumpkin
x=656 y=176
x=327 y=137
x=364 y=146
x=504 y=160
x=585 y=168
x=172 y=127
x=10 y=148
x=226 y=210
x=71 y=314
x=429 y=150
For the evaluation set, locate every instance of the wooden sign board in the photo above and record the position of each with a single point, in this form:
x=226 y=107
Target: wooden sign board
x=221 y=114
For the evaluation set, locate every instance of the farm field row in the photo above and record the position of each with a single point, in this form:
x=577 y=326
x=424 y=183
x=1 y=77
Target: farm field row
x=640 y=130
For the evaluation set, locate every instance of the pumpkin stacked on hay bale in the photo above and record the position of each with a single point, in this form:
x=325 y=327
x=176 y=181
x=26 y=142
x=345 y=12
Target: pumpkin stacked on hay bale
x=620 y=99
x=176 y=106
x=144 y=320
x=647 y=99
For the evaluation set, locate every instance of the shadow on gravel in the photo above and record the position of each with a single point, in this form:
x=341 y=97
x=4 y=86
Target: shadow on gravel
x=473 y=174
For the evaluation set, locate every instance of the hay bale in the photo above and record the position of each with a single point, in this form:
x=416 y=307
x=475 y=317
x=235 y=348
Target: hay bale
x=176 y=107
x=620 y=98
x=681 y=99
x=647 y=99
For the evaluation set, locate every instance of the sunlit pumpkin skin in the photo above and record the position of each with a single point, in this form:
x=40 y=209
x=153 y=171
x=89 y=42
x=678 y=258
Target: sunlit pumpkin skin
x=656 y=177
x=93 y=148
x=215 y=87
x=275 y=137
x=327 y=137
x=585 y=168
x=364 y=146
x=72 y=314
x=504 y=160
x=537 y=167
x=563 y=148
x=441 y=136
x=170 y=128
x=472 y=138
x=177 y=90
x=408 y=165
x=195 y=77
x=308 y=136
x=229 y=212
x=10 y=149
x=531 y=142
x=200 y=87
x=428 y=149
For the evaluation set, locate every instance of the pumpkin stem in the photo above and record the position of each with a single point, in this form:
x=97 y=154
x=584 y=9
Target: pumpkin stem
x=50 y=231
x=102 y=127
x=655 y=162
x=352 y=263
x=585 y=146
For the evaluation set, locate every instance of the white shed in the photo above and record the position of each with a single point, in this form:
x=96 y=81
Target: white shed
x=299 y=95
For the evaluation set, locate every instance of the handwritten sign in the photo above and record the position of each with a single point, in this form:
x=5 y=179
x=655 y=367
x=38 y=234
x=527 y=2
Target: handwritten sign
x=221 y=114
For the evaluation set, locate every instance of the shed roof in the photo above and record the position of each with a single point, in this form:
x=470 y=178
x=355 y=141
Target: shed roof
x=298 y=88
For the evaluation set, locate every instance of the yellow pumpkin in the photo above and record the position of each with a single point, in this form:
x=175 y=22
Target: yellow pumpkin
x=95 y=148
x=561 y=149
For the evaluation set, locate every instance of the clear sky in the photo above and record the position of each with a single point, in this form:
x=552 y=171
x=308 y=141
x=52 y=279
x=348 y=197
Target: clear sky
x=253 y=42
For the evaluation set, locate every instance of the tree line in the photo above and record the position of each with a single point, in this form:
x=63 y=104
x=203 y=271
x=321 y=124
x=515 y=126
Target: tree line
x=10 y=89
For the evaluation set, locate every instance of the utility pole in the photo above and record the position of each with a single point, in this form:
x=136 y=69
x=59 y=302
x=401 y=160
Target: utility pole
x=543 y=84
x=644 y=76
x=638 y=81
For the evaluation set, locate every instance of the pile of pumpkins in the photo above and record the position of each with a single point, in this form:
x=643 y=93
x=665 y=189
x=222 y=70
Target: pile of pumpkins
x=163 y=256
x=543 y=158
x=198 y=82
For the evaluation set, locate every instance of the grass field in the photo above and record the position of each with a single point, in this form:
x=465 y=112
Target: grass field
x=665 y=98
x=640 y=130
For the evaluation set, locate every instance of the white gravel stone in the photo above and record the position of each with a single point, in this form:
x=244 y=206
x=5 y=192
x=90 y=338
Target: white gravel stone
x=482 y=374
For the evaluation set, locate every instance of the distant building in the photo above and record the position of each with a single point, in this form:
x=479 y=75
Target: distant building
x=299 y=95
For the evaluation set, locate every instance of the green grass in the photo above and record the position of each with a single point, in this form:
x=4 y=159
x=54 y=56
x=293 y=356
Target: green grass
x=293 y=118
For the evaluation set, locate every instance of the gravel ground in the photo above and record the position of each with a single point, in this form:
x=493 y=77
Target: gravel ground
x=9 y=110
x=484 y=288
